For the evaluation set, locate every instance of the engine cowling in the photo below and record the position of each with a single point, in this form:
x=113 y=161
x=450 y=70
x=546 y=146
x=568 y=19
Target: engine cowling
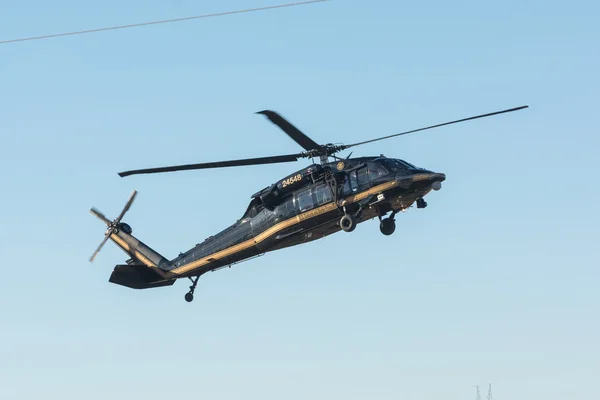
x=271 y=196
x=298 y=179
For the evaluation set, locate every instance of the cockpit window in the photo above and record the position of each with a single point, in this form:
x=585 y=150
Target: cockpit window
x=391 y=165
x=396 y=165
x=406 y=164
x=377 y=170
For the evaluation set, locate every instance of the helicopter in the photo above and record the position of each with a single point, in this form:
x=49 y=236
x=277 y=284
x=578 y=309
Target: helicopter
x=316 y=201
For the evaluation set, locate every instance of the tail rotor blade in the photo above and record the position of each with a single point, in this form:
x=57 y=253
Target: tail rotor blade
x=127 y=206
x=100 y=215
x=112 y=225
x=100 y=247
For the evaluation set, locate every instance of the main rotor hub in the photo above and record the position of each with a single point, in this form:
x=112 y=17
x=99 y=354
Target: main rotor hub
x=324 y=151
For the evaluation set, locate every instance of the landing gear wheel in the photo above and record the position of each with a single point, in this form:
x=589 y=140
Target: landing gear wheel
x=387 y=226
x=348 y=223
x=189 y=296
x=421 y=203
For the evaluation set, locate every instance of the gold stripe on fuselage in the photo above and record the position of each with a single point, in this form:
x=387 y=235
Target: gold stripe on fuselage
x=145 y=260
x=125 y=246
x=279 y=227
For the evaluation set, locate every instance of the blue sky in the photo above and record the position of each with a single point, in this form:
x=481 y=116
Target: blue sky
x=496 y=281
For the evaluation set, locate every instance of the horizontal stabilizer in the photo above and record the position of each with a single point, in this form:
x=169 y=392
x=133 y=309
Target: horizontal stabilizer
x=138 y=277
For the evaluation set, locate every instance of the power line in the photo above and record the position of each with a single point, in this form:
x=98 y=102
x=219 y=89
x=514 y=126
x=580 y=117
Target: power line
x=166 y=21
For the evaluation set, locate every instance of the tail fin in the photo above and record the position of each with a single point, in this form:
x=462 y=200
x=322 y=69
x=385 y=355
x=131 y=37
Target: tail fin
x=146 y=268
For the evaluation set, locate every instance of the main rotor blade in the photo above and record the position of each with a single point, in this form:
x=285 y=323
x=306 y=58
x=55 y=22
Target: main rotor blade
x=293 y=132
x=217 y=164
x=436 y=126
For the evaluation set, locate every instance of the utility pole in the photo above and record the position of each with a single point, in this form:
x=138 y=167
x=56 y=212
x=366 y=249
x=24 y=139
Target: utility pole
x=490 y=392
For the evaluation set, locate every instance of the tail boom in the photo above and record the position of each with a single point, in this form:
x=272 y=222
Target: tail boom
x=140 y=251
x=147 y=268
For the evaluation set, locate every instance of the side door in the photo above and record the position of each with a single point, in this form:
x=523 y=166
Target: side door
x=323 y=194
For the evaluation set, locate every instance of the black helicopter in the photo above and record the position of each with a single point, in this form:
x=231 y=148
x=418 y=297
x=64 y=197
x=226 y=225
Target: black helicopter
x=306 y=205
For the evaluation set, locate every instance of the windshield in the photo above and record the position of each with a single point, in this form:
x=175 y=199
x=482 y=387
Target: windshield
x=376 y=170
x=406 y=164
x=391 y=165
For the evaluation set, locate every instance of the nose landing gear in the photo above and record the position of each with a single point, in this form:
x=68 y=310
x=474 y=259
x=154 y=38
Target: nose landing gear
x=387 y=226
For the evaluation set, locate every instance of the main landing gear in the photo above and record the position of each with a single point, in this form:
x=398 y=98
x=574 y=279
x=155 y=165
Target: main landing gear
x=348 y=223
x=387 y=226
x=189 y=296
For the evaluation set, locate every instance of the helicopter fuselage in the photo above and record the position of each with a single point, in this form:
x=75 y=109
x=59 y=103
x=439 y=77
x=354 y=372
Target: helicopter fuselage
x=307 y=205
x=366 y=187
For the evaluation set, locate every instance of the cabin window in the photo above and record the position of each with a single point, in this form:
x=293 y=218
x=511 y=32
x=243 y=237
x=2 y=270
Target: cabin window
x=305 y=200
x=286 y=209
x=323 y=194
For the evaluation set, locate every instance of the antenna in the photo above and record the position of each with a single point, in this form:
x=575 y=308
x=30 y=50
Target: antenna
x=489 y=396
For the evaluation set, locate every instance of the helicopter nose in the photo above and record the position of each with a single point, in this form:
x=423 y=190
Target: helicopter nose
x=437 y=176
x=422 y=178
x=436 y=180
